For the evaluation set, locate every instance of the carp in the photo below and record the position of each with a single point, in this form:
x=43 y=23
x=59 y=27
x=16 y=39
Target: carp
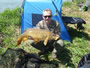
x=37 y=35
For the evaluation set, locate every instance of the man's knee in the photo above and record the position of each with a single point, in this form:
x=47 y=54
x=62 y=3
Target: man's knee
x=60 y=42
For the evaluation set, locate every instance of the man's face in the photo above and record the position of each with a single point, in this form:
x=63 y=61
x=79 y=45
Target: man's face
x=47 y=15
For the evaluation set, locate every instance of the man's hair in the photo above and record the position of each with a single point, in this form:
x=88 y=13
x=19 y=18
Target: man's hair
x=47 y=10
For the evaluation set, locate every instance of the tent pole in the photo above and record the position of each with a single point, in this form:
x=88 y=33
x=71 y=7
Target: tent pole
x=56 y=8
x=21 y=11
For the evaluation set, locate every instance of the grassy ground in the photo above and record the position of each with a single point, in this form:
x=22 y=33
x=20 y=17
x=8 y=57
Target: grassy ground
x=69 y=56
x=81 y=39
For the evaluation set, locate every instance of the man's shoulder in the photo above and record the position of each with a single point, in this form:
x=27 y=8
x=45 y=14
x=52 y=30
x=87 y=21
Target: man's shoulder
x=41 y=21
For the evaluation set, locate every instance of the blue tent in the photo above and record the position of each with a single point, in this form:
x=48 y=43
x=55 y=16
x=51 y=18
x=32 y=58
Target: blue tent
x=32 y=14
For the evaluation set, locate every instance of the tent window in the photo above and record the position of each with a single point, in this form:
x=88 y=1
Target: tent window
x=36 y=18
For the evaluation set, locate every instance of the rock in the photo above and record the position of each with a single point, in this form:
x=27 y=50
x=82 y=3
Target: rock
x=18 y=58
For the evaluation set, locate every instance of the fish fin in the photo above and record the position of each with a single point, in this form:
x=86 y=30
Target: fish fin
x=46 y=40
x=57 y=37
x=25 y=39
x=36 y=40
x=19 y=41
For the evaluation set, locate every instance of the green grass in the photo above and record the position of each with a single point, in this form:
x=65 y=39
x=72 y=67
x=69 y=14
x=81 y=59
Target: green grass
x=69 y=56
x=67 y=4
x=9 y=22
x=78 y=1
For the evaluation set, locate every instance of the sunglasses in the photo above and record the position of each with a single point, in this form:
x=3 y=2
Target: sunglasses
x=47 y=16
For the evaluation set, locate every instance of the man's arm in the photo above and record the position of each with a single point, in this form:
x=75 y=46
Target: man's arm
x=57 y=29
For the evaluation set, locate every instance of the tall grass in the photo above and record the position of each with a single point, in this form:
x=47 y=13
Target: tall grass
x=9 y=22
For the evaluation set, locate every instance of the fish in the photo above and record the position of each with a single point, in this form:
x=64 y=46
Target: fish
x=37 y=35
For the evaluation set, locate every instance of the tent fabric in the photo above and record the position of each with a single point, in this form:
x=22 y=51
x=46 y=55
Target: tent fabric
x=32 y=14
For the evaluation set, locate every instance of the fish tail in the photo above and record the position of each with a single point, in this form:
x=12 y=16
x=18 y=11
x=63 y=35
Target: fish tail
x=19 y=40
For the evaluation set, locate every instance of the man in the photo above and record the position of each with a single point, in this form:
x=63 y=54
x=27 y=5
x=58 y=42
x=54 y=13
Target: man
x=53 y=26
